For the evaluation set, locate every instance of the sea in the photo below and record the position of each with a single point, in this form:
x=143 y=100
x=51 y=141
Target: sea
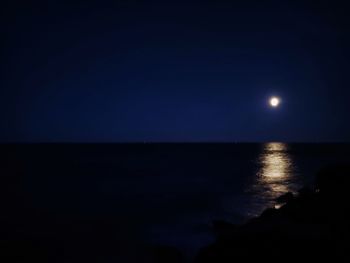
x=133 y=196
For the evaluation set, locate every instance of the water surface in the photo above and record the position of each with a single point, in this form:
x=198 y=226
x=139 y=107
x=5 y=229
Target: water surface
x=159 y=193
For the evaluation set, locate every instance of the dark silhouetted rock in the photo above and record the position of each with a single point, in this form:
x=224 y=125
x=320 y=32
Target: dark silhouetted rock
x=285 y=198
x=166 y=254
x=223 y=229
x=333 y=179
x=313 y=226
x=306 y=192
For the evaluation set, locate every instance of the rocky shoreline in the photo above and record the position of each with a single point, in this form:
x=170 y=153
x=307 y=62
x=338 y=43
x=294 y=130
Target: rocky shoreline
x=312 y=225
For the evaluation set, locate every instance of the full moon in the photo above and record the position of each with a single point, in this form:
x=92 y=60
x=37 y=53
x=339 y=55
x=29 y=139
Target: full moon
x=275 y=102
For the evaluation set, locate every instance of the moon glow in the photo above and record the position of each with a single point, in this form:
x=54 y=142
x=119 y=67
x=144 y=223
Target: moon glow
x=275 y=102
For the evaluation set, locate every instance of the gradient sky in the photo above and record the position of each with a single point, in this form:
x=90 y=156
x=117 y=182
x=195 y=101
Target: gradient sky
x=130 y=71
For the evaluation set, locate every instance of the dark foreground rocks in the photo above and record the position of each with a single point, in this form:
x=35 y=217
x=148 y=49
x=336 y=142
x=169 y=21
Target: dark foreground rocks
x=312 y=226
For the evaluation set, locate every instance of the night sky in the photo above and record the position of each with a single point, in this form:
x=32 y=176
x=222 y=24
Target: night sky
x=174 y=71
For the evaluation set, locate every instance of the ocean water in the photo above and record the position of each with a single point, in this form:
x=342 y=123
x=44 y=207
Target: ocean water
x=135 y=195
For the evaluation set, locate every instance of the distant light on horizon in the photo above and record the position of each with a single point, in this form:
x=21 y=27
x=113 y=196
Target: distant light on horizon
x=275 y=102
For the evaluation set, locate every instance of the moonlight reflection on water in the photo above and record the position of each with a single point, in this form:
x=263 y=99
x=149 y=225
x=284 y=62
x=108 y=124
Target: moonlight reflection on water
x=275 y=176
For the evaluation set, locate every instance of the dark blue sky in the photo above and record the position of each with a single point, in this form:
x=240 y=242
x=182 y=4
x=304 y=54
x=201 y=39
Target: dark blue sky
x=121 y=71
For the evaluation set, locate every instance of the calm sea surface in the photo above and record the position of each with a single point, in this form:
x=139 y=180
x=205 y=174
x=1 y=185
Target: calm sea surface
x=161 y=193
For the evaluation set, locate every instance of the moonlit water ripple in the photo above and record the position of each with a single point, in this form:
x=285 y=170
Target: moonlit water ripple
x=275 y=176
